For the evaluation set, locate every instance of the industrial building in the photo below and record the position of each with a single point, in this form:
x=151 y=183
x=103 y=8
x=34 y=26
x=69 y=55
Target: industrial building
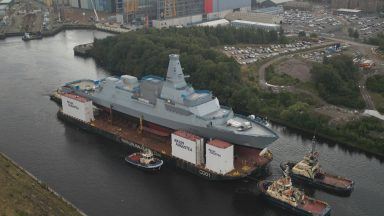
x=348 y=11
x=258 y=4
x=366 y=5
x=214 y=23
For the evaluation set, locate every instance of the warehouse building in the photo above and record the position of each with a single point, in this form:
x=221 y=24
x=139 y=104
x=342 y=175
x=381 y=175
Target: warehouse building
x=256 y=25
x=348 y=11
x=259 y=4
x=214 y=23
x=254 y=17
x=189 y=12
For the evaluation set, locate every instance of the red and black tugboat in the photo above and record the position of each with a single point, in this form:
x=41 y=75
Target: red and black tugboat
x=282 y=194
x=145 y=160
x=309 y=171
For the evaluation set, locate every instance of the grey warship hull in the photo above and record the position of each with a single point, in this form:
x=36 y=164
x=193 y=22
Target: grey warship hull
x=173 y=104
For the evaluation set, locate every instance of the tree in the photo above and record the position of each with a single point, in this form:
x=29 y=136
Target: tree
x=350 y=32
x=313 y=35
x=302 y=34
x=356 y=34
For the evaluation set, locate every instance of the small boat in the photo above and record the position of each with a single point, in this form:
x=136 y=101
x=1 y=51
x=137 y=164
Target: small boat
x=309 y=171
x=281 y=193
x=145 y=160
x=30 y=36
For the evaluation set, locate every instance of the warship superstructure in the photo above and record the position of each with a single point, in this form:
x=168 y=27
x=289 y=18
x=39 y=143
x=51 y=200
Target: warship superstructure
x=174 y=104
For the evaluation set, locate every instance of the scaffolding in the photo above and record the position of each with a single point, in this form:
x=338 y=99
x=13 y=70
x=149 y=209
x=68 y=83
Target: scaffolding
x=178 y=8
x=145 y=10
x=170 y=8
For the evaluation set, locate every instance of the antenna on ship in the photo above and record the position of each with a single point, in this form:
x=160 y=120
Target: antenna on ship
x=313 y=143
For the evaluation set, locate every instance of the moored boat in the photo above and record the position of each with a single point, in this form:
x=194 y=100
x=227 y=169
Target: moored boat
x=309 y=171
x=144 y=160
x=29 y=36
x=282 y=194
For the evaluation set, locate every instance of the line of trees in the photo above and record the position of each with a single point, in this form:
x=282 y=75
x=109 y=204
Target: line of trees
x=378 y=40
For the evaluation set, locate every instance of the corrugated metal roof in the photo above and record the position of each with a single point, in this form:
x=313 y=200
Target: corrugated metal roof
x=348 y=10
x=280 y=1
x=215 y=23
x=6 y=1
x=255 y=23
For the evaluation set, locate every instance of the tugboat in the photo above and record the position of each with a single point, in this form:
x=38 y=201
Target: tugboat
x=309 y=171
x=282 y=194
x=29 y=36
x=145 y=160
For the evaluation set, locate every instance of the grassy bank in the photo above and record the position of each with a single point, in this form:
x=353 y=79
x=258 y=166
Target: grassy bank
x=21 y=194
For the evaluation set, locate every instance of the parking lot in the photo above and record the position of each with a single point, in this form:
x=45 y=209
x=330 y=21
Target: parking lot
x=367 y=26
x=323 y=21
x=320 y=20
x=248 y=55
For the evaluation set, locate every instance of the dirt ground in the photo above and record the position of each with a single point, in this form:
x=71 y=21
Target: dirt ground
x=81 y=16
x=338 y=115
x=295 y=68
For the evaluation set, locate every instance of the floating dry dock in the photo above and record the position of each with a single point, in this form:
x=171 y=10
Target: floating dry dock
x=139 y=135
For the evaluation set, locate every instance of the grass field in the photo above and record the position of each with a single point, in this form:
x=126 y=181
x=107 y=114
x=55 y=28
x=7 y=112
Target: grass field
x=20 y=194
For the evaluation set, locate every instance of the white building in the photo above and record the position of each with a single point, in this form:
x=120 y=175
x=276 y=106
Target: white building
x=214 y=23
x=256 y=25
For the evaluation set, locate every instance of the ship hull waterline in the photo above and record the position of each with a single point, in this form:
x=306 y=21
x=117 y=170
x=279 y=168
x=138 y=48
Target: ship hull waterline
x=286 y=206
x=168 y=160
x=318 y=184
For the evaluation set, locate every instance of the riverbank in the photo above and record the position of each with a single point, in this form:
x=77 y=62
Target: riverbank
x=23 y=194
x=64 y=27
x=328 y=138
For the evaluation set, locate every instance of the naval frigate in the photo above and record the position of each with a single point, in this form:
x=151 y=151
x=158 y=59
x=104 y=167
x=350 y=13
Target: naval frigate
x=173 y=103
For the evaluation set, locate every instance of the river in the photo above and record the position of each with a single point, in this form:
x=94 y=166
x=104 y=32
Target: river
x=90 y=171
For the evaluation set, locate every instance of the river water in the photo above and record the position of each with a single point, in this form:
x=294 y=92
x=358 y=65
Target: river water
x=90 y=171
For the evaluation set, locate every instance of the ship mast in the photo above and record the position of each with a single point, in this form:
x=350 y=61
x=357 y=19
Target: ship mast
x=313 y=149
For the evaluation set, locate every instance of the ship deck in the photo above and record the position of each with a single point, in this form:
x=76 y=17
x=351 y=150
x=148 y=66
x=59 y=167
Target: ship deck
x=313 y=206
x=246 y=160
x=336 y=181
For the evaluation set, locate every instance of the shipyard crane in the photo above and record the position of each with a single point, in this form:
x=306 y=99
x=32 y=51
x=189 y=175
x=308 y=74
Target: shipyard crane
x=94 y=10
